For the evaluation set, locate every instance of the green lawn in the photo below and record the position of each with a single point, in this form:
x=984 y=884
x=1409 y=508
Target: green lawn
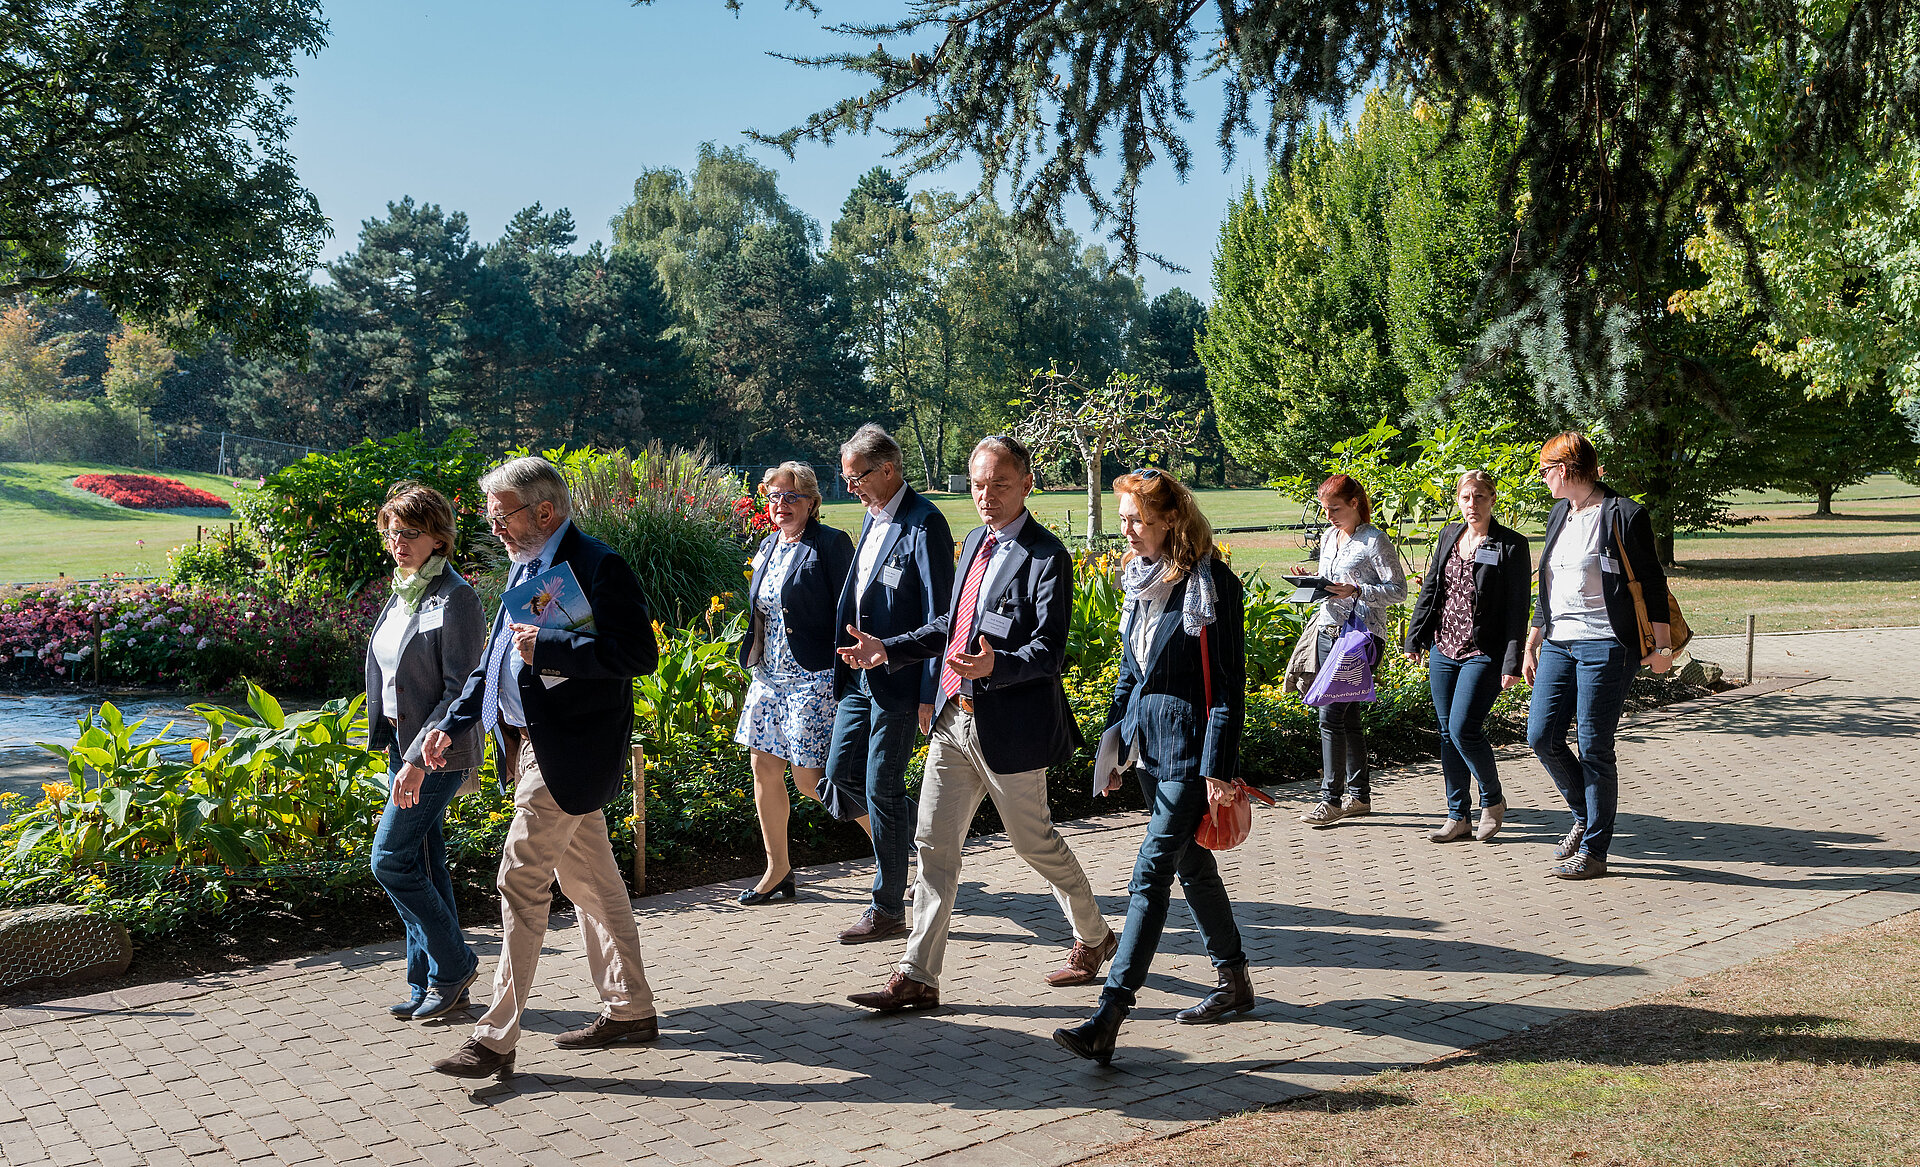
x=54 y=529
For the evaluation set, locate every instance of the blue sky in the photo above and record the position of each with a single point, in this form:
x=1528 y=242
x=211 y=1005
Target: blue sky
x=488 y=107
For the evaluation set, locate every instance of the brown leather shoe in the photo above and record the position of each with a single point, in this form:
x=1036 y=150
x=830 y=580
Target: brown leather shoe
x=605 y=1031
x=872 y=925
x=902 y=992
x=1083 y=963
x=474 y=1060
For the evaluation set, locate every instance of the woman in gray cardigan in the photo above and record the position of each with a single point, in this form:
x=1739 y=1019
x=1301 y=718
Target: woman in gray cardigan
x=429 y=639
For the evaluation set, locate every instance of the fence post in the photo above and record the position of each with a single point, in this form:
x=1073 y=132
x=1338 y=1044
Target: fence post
x=639 y=820
x=1750 y=623
x=96 y=650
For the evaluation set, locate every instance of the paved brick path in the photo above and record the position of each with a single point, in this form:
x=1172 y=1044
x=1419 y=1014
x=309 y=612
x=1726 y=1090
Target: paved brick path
x=1746 y=826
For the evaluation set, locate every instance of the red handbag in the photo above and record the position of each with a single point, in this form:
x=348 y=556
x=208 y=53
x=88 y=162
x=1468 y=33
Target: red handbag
x=1225 y=826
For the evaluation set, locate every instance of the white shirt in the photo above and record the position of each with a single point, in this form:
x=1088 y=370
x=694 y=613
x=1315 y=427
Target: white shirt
x=389 y=640
x=511 y=710
x=1576 y=607
x=1146 y=617
x=989 y=580
x=877 y=531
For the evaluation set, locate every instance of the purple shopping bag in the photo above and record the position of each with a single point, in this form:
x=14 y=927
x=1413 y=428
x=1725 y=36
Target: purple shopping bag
x=1347 y=673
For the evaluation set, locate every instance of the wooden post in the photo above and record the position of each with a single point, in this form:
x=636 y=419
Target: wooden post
x=1750 y=622
x=96 y=650
x=639 y=820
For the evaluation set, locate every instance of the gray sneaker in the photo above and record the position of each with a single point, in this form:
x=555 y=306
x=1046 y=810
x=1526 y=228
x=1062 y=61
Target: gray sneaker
x=1323 y=814
x=1355 y=807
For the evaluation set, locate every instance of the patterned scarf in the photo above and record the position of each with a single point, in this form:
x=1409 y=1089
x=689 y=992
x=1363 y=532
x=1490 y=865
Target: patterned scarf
x=412 y=586
x=1147 y=581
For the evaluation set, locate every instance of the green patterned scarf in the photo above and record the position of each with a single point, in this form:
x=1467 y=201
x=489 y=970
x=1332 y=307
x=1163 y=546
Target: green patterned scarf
x=410 y=588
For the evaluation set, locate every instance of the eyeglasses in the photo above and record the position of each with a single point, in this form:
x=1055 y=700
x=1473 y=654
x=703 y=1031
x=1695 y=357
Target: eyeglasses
x=786 y=497
x=499 y=522
x=1542 y=472
x=853 y=480
x=404 y=534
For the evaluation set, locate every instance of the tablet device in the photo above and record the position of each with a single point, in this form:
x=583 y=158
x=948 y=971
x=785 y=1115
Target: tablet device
x=1307 y=589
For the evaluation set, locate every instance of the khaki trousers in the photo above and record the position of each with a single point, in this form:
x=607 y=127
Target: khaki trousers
x=542 y=843
x=955 y=780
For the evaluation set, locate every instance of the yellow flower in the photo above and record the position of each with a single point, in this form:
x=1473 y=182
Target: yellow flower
x=199 y=746
x=55 y=791
x=715 y=607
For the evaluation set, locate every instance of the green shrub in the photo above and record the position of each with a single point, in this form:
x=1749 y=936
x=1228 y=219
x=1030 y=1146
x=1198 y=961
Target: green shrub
x=77 y=431
x=230 y=560
x=314 y=521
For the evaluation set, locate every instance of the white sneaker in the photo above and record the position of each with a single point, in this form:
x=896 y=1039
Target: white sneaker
x=1323 y=814
x=1455 y=829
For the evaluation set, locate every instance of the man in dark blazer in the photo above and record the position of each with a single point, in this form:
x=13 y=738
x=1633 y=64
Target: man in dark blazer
x=1000 y=719
x=559 y=705
x=902 y=578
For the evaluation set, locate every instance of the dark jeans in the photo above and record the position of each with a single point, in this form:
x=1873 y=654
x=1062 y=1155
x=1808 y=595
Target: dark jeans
x=1168 y=850
x=410 y=861
x=1343 y=745
x=1463 y=693
x=1584 y=681
x=870 y=751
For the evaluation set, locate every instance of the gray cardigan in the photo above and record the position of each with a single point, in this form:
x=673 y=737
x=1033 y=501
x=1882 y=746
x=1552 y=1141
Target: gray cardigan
x=435 y=662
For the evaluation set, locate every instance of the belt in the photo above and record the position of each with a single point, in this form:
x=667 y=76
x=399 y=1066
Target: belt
x=966 y=704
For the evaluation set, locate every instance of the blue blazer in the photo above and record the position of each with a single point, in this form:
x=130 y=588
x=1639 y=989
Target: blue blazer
x=920 y=548
x=1160 y=704
x=809 y=598
x=1024 y=720
x=582 y=728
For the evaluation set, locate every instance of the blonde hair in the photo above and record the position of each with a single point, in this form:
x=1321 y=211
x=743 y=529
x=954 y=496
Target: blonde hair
x=415 y=504
x=1478 y=478
x=805 y=481
x=1166 y=499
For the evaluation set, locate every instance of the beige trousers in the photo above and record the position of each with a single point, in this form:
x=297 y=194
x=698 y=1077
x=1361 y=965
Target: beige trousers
x=542 y=843
x=955 y=780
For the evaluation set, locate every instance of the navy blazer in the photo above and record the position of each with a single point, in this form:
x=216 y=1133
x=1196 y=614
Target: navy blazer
x=920 y=548
x=1023 y=717
x=1502 y=596
x=1619 y=516
x=1161 y=704
x=582 y=728
x=809 y=598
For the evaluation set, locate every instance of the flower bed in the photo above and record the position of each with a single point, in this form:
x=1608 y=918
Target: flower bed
x=162 y=634
x=148 y=492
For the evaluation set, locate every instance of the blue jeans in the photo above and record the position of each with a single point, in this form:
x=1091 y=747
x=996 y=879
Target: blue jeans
x=1584 y=681
x=410 y=861
x=870 y=751
x=1463 y=693
x=1169 y=849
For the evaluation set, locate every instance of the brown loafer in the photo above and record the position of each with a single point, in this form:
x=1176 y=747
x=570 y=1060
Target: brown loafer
x=605 y=1031
x=474 y=1060
x=872 y=925
x=1083 y=963
x=902 y=992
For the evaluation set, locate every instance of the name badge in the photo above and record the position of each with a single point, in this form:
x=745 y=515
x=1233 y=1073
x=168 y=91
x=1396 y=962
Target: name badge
x=431 y=619
x=759 y=558
x=1609 y=564
x=1487 y=555
x=891 y=576
x=995 y=624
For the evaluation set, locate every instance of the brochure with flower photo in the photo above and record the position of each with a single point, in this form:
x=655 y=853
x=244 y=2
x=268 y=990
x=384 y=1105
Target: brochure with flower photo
x=552 y=599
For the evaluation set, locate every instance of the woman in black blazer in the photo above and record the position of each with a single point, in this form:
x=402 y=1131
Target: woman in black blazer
x=1471 y=624
x=1183 y=641
x=1586 y=644
x=787 y=717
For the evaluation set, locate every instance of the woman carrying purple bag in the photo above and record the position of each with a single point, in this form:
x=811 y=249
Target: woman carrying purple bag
x=1365 y=579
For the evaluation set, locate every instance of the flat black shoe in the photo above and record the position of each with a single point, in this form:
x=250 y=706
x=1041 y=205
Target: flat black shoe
x=785 y=887
x=1234 y=994
x=1094 y=1038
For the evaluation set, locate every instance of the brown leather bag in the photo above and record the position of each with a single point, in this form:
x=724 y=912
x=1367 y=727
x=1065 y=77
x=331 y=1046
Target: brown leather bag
x=1677 y=630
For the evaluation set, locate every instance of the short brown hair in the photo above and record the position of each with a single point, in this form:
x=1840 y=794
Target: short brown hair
x=1573 y=453
x=1478 y=478
x=1167 y=500
x=415 y=504
x=1346 y=488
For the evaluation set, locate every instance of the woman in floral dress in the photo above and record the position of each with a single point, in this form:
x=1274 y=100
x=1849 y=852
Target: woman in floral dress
x=787 y=718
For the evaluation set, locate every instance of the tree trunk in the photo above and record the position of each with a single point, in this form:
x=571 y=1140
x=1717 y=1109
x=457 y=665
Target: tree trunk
x=1094 y=456
x=1825 y=490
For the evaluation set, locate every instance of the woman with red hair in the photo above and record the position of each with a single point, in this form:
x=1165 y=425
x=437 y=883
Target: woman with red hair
x=1365 y=578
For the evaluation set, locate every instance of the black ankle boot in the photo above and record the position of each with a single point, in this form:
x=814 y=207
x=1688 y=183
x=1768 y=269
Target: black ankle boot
x=1234 y=994
x=1093 y=1040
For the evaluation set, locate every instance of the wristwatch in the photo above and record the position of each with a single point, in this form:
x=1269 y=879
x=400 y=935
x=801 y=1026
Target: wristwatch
x=1663 y=651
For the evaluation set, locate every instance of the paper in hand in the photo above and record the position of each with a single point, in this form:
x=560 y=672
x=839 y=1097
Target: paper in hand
x=1106 y=759
x=552 y=599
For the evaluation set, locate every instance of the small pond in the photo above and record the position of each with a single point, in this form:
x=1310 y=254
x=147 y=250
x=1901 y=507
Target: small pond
x=26 y=718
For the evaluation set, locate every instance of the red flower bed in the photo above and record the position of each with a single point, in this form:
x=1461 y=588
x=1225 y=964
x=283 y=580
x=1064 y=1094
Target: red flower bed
x=148 y=492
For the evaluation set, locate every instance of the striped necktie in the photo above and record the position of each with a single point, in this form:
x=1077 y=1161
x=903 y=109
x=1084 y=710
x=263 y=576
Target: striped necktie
x=962 y=638
x=490 y=700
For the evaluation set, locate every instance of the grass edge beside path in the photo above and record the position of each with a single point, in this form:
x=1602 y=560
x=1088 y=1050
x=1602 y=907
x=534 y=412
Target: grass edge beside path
x=1808 y=1056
